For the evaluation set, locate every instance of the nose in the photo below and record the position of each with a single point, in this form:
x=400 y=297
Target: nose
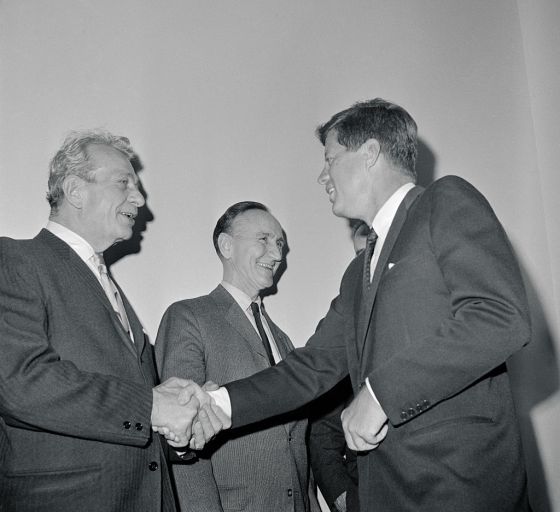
x=323 y=177
x=136 y=198
x=275 y=251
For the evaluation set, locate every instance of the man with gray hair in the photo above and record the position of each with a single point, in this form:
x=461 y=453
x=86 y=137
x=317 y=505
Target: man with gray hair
x=77 y=378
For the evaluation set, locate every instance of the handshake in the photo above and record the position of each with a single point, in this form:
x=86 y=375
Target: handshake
x=185 y=413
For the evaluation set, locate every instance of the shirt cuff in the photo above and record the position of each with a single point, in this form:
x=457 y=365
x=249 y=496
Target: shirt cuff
x=370 y=392
x=221 y=397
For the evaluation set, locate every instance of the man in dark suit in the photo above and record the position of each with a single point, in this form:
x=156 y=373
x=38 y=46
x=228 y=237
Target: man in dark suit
x=424 y=339
x=218 y=337
x=77 y=376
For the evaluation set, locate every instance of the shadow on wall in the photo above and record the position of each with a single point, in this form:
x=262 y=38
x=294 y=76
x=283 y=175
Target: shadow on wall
x=534 y=378
x=145 y=215
x=425 y=164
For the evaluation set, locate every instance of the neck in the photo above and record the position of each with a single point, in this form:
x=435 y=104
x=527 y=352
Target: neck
x=253 y=295
x=391 y=181
x=72 y=222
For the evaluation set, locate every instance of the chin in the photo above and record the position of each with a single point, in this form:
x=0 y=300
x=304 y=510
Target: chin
x=339 y=212
x=126 y=235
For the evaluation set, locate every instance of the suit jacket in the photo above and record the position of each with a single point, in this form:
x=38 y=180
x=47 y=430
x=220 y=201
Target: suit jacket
x=75 y=393
x=445 y=309
x=263 y=467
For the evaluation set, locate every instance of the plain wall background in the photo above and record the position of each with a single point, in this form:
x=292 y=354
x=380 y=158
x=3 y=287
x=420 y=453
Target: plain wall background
x=220 y=100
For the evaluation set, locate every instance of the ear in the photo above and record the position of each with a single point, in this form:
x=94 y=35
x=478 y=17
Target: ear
x=73 y=187
x=372 y=150
x=225 y=242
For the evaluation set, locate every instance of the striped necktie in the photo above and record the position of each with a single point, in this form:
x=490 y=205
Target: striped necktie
x=368 y=254
x=112 y=292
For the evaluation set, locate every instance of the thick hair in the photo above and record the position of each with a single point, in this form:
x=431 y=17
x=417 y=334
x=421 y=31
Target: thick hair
x=73 y=158
x=226 y=220
x=392 y=126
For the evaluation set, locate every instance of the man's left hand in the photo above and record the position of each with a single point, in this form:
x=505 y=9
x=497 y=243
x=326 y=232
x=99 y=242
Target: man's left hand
x=364 y=422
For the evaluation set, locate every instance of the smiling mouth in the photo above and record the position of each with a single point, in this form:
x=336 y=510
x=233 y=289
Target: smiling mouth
x=268 y=266
x=131 y=216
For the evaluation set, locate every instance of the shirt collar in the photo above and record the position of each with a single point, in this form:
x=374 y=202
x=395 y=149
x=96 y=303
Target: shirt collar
x=384 y=218
x=240 y=296
x=82 y=248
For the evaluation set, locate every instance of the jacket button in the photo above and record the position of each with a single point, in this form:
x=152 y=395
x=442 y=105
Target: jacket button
x=152 y=466
x=419 y=408
x=290 y=492
x=139 y=426
x=404 y=415
x=126 y=425
x=411 y=412
x=426 y=404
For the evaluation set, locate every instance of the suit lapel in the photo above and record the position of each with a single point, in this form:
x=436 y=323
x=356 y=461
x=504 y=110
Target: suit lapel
x=282 y=343
x=83 y=273
x=369 y=296
x=238 y=320
x=135 y=325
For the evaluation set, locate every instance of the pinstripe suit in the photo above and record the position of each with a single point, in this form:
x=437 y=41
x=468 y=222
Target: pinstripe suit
x=260 y=468
x=75 y=393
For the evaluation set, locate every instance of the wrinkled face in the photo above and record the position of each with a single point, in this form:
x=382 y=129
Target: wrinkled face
x=257 y=244
x=343 y=177
x=110 y=202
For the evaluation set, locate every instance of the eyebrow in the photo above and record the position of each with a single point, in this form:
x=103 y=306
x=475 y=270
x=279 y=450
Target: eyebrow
x=132 y=175
x=266 y=233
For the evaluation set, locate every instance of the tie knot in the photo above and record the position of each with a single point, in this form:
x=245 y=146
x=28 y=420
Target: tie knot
x=255 y=308
x=100 y=263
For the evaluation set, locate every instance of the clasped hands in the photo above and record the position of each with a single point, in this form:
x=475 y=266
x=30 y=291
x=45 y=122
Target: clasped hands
x=185 y=414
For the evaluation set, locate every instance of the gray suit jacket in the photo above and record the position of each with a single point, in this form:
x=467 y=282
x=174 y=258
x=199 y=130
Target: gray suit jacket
x=75 y=393
x=260 y=468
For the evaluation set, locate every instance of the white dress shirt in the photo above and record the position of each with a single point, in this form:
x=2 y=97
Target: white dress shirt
x=244 y=302
x=81 y=247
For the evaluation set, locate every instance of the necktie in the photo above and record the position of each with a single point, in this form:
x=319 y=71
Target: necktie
x=257 y=314
x=368 y=253
x=112 y=293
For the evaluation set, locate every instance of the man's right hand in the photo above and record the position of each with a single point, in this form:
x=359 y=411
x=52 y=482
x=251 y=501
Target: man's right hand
x=192 y=416
x=170 y=417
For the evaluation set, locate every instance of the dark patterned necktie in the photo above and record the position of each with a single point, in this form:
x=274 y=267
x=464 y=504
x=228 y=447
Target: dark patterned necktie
x=257 y=314
x=368 y=253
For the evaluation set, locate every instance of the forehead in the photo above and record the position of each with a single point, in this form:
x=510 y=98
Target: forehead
x=257 y=221
x=332 y=145
x=103 y=156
